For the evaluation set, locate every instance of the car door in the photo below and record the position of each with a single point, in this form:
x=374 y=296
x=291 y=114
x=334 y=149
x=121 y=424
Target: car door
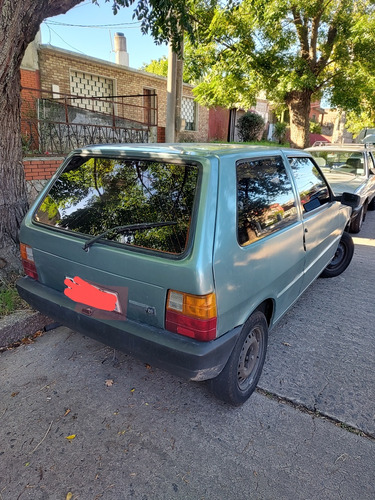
x=258 y=251
x=323 y=218
x=371 y=178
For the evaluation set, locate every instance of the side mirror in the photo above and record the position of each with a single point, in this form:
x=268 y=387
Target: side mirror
x=350 y=199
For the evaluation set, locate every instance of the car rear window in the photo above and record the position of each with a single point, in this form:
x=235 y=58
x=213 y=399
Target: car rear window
x=93 y=195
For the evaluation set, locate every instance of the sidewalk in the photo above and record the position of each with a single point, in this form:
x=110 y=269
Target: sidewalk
x=77 y=417
x=21 y=324
x=81 y=421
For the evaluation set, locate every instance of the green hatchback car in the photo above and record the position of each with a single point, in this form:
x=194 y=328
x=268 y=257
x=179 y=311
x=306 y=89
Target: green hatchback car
x=183 y=255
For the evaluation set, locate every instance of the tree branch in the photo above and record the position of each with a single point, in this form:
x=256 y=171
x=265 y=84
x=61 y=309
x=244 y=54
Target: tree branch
x=314 y=36
x=331 y=38
x=324 y=82
x=302 y=33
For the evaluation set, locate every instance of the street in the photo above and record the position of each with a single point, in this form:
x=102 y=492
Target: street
x=79 y=420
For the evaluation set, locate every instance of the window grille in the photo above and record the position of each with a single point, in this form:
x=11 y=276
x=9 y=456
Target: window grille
x=188 y=113
x=85 y=84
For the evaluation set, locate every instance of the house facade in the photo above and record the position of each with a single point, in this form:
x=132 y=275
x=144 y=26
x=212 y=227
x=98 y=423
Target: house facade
x=66 y=95
x=108 y=89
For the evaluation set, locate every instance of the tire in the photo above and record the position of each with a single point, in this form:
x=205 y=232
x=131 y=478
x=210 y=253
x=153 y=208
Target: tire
x=356 y=224
x=371 y=205
x=342 y=258
x=240 y=375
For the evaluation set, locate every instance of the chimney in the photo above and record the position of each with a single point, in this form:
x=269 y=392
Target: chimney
x=122 y=57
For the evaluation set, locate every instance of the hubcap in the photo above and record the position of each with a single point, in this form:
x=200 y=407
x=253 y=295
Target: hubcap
x=339 y=255
x=249 y=358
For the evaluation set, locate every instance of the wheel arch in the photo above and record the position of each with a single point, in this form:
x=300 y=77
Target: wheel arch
x=267 y=308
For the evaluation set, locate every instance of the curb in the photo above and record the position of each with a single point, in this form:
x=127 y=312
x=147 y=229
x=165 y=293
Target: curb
x=21 y=324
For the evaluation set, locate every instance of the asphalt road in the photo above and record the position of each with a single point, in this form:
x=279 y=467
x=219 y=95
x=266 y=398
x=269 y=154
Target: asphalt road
x=80 y=421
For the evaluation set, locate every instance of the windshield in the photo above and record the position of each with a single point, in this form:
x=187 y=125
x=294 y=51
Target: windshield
x=350 y=162
x=93 y=195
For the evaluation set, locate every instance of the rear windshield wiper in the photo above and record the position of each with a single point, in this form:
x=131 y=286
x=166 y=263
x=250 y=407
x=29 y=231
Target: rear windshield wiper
x=126 y=229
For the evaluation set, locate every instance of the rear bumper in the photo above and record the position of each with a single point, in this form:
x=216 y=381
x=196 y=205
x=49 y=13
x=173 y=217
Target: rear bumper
x=180 y=355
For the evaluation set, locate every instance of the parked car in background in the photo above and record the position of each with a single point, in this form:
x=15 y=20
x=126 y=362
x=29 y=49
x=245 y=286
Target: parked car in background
x=351 y=168
x=183 y=255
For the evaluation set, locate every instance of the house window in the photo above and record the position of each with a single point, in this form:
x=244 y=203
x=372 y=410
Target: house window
x=149 y=103
x=189 y=113
x=98 y=88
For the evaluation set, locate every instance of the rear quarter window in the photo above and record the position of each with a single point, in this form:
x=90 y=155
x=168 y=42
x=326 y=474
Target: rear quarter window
x=265 y=199
x=95 y=194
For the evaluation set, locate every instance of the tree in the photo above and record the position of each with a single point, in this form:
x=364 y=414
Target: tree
x=293 y=49
x=157 y=67
x=19 y=24
x=160 y=67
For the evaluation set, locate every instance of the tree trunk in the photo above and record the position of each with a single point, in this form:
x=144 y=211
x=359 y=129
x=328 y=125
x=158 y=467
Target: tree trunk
x=13 y=200
x=299 y=103
x=19 y=23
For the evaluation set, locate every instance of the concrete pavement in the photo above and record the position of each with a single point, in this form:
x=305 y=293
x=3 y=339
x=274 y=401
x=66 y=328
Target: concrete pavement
x=138 y=432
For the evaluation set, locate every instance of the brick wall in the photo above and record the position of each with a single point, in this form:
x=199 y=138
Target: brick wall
x=38 y=171
x=40 y=168
x=56 y=64
x=29 y=80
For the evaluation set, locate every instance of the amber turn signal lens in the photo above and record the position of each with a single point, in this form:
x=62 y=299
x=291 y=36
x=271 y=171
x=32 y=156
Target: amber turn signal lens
x=193 y=306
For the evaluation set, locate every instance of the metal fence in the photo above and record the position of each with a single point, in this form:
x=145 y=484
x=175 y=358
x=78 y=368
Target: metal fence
x=54 y=123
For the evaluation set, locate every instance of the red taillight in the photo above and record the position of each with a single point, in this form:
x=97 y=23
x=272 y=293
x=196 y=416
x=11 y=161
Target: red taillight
x=191 y=315
x=28 y=261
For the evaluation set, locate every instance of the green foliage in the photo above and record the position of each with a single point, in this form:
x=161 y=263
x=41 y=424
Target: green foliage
x=315 y=128
x=356 y=122
x=157 y=67
x=10 y=301
x=280 y=131
x=250 y=126
x=7 y=301
x=164 y=20
x=291 y=49
x=160 y=67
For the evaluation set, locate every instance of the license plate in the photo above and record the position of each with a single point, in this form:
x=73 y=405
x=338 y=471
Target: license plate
x=108 y=292
x=103 y=290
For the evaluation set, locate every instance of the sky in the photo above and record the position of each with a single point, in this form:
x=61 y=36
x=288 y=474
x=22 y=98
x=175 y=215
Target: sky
x=68 y=31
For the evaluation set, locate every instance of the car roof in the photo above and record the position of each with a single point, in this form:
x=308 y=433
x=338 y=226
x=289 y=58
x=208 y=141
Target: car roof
x=340 y=147
x=191 y=149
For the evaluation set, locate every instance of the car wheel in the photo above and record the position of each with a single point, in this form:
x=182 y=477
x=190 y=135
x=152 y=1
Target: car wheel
x=240 y=375
x=342 y=258
x=356 y=224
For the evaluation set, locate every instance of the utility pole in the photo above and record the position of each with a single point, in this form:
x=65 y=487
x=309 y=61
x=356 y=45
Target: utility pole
x=170 y=127
x=179 y=80
x=174 y=93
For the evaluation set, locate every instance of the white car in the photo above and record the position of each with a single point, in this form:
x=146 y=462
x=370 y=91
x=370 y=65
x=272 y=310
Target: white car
x=349 y=168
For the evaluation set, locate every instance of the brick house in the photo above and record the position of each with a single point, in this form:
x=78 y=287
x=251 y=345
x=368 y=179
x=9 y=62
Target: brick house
x=62 y=72
x=88 y=85
x=70 y=73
